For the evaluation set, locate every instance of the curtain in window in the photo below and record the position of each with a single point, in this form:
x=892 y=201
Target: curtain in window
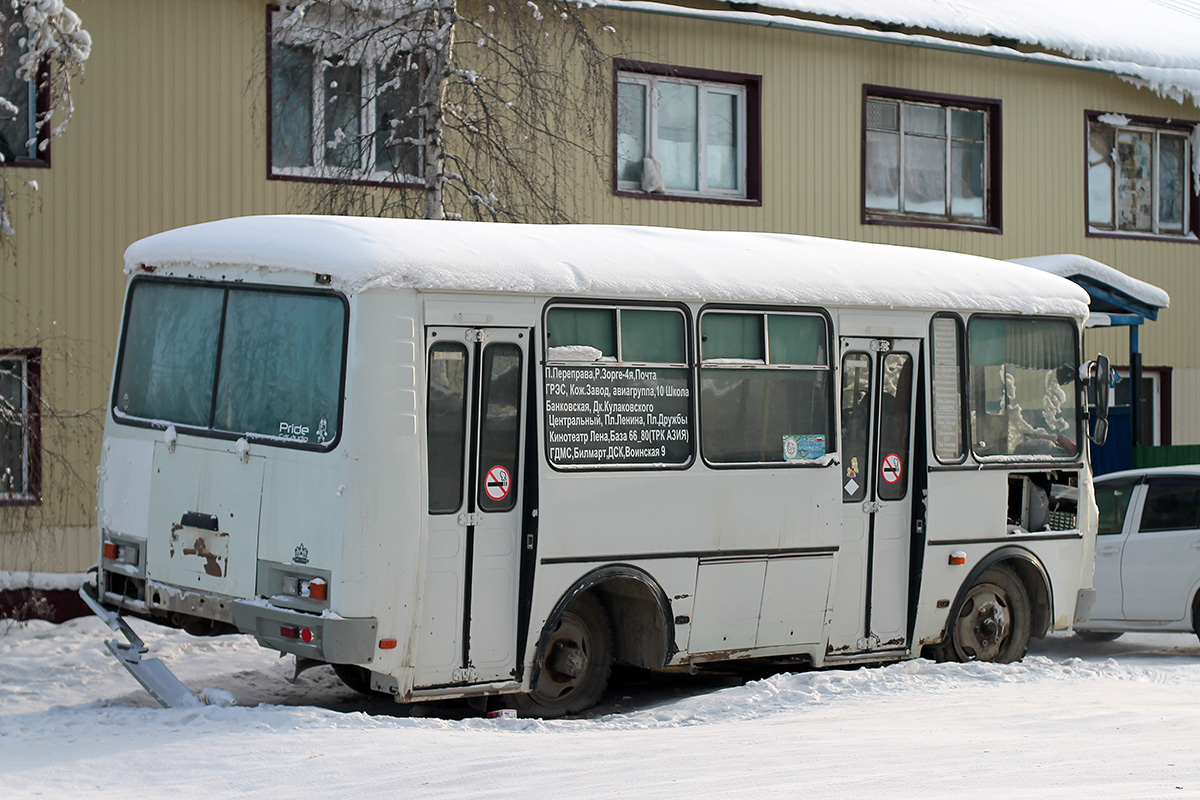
x=722 y=145
x=678 y=134
x=291 y=106
x=631 y=131
x=17 y=124
x=1100 y=176
x=396 y=102
x=343 y=105
x=12 y=426
x=1172 y=178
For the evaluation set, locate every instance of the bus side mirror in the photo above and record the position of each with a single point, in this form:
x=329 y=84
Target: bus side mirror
x=1099 y=380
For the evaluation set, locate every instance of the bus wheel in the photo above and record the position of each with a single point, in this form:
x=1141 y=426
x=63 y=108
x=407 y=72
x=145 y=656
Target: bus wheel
x=575 y=665
x=357 y=678
x=994 y=622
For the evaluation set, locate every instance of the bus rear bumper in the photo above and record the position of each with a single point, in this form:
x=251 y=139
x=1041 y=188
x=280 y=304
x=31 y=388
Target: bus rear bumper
x=334 y=640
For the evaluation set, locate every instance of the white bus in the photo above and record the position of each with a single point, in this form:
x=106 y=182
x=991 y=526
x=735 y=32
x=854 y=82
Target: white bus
x=466 y=460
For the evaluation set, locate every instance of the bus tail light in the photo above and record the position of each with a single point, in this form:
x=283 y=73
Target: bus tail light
x=316 y=589
x=120 y=552
x=296 y=632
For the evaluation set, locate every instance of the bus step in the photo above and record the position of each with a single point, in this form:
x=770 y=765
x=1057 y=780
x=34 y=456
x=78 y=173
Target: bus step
x=151 y=673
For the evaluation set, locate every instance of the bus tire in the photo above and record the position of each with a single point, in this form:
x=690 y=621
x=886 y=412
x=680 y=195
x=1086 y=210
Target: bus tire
x=994 y=621
x=575 y=665
x=357 y=678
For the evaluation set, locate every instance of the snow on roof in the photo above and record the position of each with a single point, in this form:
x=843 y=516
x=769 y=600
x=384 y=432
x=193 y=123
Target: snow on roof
x=1070 y=265
x=610 y=261
x=1152 y=41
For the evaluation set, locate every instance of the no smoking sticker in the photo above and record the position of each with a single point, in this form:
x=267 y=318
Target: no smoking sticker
x=497 y=483
x=892 y=468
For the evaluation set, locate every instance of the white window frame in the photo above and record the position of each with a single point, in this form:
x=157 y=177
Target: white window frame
x=23 y=487
x=650 y=82
x=947 y=163
x=1158 y=133
x=367 y=65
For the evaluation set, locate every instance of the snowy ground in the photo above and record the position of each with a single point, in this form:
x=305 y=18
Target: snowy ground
x=1073 y=720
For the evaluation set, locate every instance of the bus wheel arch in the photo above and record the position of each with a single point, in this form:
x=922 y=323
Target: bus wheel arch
x=1005 y=601
x=627 y=616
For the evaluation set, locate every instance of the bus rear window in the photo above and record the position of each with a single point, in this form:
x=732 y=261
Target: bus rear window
x=257 y=362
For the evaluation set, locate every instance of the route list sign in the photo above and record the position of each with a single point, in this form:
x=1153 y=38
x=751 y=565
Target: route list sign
x=597 y=414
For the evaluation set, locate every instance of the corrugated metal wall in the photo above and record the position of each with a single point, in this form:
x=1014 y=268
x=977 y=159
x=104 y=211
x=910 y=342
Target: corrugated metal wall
x=170 y=130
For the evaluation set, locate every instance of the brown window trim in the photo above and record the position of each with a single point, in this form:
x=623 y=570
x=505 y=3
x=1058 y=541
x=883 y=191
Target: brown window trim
x=995 y=195
x=1189 y=236
x=271 y=175
x=753 y=86
x=33 y=361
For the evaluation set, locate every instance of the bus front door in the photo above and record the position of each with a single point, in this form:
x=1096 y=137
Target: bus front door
x=870 y=609
x=475 y=416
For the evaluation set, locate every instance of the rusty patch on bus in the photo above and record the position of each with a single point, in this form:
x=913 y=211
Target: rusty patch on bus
x=211 y=547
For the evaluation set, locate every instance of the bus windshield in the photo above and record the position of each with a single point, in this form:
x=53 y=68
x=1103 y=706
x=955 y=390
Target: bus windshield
x=258 y=362
x=1023 y=387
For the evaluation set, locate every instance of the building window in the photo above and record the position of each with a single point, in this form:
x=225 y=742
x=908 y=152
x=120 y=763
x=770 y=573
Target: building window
x=930 y=159
x=19 y=134
x=19 y=457
x=686 y=133
x=348 y=115
x=1137 y=176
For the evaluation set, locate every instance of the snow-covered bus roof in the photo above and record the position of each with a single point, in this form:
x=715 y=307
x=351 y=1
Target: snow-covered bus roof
x=609 y=261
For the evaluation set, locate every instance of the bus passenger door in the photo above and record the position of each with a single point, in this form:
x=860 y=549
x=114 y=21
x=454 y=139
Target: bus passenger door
x=476 y=413
x=870 y=608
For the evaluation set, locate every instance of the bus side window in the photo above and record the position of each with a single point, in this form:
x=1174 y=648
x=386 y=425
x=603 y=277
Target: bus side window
x=500 y=426
x=856 y=424
x=447 y=424
x=895 y=412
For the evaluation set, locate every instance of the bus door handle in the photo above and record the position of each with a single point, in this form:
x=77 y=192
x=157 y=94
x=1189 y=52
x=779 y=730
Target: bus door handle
x=870 y=506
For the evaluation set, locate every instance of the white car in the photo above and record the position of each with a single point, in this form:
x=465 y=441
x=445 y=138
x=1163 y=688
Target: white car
x=1147 y=553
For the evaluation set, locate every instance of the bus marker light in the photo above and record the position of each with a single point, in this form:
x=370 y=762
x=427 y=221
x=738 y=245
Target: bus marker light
x=387 y=644
x=958 y=558
x=289 y=631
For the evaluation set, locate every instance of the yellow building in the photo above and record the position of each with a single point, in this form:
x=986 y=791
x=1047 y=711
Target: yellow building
x=1011 y=135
